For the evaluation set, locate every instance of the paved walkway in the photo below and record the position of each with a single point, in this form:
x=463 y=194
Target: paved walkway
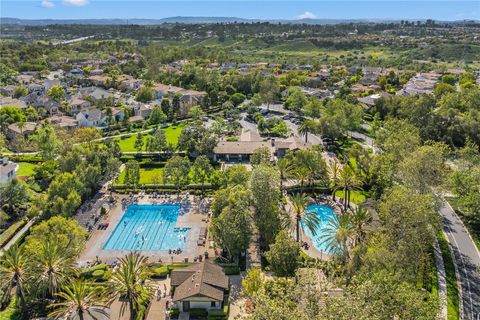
x=442 y=281
x=157 y=309
x=17 y=236
x=467 y=261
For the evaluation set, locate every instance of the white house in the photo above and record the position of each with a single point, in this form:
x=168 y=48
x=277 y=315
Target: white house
x=91 y=118
x=8 y=170
x=202 y=285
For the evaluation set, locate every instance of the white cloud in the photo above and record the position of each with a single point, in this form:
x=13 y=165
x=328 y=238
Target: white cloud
x=47 y=4
x=307 y=15
x=76 y=3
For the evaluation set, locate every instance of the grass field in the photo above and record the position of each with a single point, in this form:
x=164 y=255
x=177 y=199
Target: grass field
x=147 y=176
x=355 y=196
x=26 y=169
x=127 y=144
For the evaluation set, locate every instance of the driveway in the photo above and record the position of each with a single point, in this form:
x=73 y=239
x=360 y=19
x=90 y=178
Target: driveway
x=467 y=261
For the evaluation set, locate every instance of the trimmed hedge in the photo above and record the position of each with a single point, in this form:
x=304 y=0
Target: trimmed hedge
x=92 y=271
x=233 y=270
x=198 y=312
x=8 y=234
x=162 y=271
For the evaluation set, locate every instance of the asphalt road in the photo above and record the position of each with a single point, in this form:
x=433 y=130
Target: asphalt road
x=467 y=260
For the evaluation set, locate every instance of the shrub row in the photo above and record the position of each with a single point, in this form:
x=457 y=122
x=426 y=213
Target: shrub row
x=8 y=234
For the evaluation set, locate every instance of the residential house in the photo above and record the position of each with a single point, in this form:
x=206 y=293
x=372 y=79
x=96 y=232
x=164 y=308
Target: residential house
x=44 y=101
x=36 y=88
x=24 y=79
x=24 y=129
x=8 y=170
x=242 y=150
x=167 y=91
x=130 y=84
x=64 y=122
x=143 y=110
x=8 y=90
x=370 y=100
x=190 y=98
x=91 y=118
x=95 y=93
x=77 y=105
x=7 y=101
x=421 y=83
x=202 y=285
x=118 y=114
x=48 y=83
x=97 y=80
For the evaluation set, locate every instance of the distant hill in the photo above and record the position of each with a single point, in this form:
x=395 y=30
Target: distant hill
x=185 y=20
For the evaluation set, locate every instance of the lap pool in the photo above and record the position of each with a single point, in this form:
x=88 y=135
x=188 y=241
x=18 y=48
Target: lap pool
x=325 y=213
x=148 y=227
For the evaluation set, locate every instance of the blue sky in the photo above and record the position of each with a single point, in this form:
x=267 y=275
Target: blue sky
x=269 y=9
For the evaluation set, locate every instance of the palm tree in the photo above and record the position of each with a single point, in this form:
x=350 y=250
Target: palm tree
x=360 y=219
x=52 y=267
x=302 y=174
x=336 y=235
x=300 y=201
x=79 y=298
x=334 y=170
x=305 y=127
x=13 y=274
x=285 y=168
x=348 y=181
x=128 y=282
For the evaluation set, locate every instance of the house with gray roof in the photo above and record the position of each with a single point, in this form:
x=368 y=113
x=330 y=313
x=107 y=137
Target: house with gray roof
x=202 y=285
x=91 y=118
x=8 y=170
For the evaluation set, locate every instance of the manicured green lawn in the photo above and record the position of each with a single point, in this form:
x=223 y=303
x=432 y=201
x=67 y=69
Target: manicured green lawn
x=355 y=196
x=127 y=144
x=10 y=313
x=147 y=176
x=26 y=169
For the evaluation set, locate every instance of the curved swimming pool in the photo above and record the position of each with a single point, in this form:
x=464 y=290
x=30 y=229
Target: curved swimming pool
x=324 y=213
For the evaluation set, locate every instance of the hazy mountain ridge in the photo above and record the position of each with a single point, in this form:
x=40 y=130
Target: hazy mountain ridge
x=187 y=20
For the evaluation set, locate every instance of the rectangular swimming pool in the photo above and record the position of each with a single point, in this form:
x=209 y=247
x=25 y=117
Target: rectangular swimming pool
x=148 y=227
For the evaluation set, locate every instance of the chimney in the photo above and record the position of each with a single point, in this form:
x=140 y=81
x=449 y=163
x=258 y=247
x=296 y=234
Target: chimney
x=273 y=142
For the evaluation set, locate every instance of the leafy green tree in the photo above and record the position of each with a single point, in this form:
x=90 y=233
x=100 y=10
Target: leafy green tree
x=197 y=140
x=144 y=94
x=129 y=281
x=196 y=113
x=47 y=142
x=465 y=184
x=231 y=228
x=132 y=173
x=157 y=116
x=237 y=98
x=14 y=274
x=201 y=170
x=236 y=175
x=268 y=91
x=56 y=93
x=157 y=142
x=338 y=117
x=265 y=188
x=14 y=193
x=139 y=142
x=176 y=171
x=32 y=114
x=296 y=100
x=64 y=194
x=9 y=115
x=65 y=233
x=20 y=91
x=80 y=299
x=442 y=88
x=260 y=156
x=284 y=255
x=424 y=168
x=313 y=108
x=381 y=296
x=449 y=79
x=252 y=282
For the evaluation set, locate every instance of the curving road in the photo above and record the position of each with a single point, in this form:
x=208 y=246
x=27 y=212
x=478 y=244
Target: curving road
x=467 y=261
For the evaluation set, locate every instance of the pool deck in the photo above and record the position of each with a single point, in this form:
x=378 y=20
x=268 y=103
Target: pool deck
x=192 y=219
